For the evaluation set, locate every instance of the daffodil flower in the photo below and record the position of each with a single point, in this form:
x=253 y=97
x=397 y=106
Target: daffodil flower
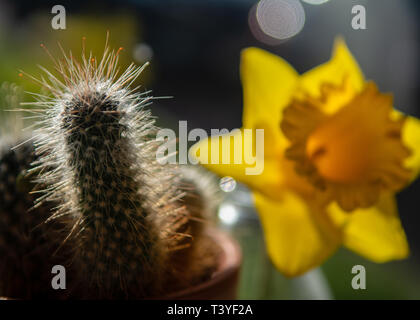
x=335 y=154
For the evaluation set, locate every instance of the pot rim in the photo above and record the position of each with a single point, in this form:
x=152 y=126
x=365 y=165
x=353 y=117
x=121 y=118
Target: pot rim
x=229 y=264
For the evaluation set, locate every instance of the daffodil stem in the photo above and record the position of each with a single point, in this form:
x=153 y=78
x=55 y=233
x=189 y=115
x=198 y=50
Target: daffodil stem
x=312 y=285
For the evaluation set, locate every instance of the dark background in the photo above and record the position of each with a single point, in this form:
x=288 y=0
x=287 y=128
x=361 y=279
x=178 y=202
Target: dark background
x=196 y=46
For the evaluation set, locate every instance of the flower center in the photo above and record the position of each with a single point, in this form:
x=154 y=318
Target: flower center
x=352 y=152
x=339 y=146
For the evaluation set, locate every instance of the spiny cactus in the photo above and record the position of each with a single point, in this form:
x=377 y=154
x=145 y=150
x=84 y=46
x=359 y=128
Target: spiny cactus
x=201 y=195
x=96 y=155
x=26 y=248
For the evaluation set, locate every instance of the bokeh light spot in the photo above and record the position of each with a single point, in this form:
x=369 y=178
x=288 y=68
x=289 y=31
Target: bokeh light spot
x=142 y=52
x=228 y=214
x=280 y=19
x=227 y=184
x=315 y=1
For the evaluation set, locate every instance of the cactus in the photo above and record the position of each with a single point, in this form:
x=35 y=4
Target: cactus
x=26 y=245
x=122 y=212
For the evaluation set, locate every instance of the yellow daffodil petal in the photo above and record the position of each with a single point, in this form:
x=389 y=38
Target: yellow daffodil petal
x=268 y=84
x=341 y=70
x=297 y=238
x=236 y=155
x=374 y=233
x=411 y=138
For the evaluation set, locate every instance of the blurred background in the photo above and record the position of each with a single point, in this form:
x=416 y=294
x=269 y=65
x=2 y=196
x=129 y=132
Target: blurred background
x=194 y=48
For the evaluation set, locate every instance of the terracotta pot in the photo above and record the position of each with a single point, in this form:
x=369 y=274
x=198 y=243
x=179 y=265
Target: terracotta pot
x=224 y=282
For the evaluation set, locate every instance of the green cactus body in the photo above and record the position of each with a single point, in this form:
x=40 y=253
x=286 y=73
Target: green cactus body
x=118 y=243
x=26 y=248
x=127 y=226
x=95 y=136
